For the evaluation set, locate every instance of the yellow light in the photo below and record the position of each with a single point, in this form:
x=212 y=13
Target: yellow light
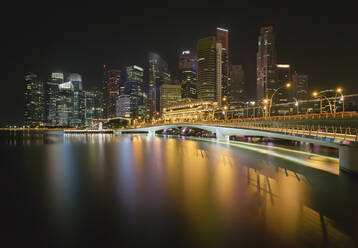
x=315 y=93
x=288 y=85
x=339 y=90
x=265 y=101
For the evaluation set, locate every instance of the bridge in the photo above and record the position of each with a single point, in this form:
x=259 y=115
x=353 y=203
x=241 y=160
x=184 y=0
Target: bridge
x=344 y=139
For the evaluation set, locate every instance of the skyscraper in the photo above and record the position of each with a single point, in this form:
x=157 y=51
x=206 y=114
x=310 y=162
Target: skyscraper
x=158 y=75
x=111 y=83
x=188 y=74
x=222 y=36
x=51 y=95
x=283 y=76
x=65 y=104
x=134 y=88
x=266 y=64
x=78 y=115
x=209 y=74
x=169 y=94
x=300 y=83
x=93 y=106
x=237 y=86
x=34 y=112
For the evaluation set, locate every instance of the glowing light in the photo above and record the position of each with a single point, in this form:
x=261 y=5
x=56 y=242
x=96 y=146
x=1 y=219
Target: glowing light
x=223 y=29
x=288 y=85
x=283 y=66
x=138 y=68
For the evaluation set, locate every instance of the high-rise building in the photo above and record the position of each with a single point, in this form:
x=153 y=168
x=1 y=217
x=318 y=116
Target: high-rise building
x=300 y=83
x=65 y=104
x=78 y=115
x=283 y=76
x=208 y=72
x=124 y=106
x=34 y=112
x=158 y=75
x=111 y=83
x=134 y=87
x=237 y=86
x=222 y=36
x=51 y=95
x=169 y=94
x=188 y=74
x=266 y=64
x=93 y=106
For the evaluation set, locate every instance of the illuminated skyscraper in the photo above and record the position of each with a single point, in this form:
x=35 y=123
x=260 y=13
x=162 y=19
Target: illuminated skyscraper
x=237 y=86
x=134 y=88
x=169 y=94
x=209 y=74
x=158 y=75
x=34 y=112
x=222 y=36
x=93 y=106
x=283 y=76
x=78 y=115
x=51 y=95
x=300 y=83
x=111 y=83
x=266 y=64
x=65 y=104
x=188 y=74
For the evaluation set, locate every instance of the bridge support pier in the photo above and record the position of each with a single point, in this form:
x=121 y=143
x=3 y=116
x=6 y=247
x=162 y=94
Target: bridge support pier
x=221 y=136
x=348 y=159
x=151 y=133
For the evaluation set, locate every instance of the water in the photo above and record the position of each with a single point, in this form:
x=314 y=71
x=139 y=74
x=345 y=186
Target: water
x=105 y=190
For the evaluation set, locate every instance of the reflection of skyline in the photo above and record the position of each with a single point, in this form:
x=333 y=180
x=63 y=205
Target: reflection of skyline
x=217 y=191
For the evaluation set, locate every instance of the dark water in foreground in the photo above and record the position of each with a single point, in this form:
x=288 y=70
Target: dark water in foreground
x=124 y=191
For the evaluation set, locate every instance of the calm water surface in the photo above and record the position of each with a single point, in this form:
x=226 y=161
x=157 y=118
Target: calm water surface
x=62 y=190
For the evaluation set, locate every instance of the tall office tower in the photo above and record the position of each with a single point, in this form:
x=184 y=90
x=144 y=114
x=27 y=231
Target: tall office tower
x=266 y=64
x=222 y=36
x=134 y=88
x=78 y=115
x=188 y=74
x=209 y=74
x=111 y=83
x=237 y=86
x=51 y=95
x=34 y=112
x=93 y=106
x=65 y=104
x=123 y=106
x=300 y=83
x=158 y=75
x=283 y=76
x=169 y=94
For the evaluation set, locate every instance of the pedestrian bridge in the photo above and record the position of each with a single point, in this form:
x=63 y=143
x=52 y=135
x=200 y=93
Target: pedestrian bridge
x=342 y=140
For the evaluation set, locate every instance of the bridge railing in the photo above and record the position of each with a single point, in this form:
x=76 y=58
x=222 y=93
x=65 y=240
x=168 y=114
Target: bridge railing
x=324 y=131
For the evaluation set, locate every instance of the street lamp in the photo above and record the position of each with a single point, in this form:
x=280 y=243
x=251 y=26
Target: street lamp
x=338 y=91
x=287 y=85
x=320 y=95
x=296 y=104
x=265 y=101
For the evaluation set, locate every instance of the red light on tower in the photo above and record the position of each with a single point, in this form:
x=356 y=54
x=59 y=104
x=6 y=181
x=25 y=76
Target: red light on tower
x=104 y=66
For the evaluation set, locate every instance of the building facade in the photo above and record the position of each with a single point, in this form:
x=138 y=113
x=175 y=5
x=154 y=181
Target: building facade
x=51 y=95
x=266 y=64
x=300 y=82
x=237 y=87
x=208 y=69
x=222 y=36
x=188 y=74
x=34 y=112
x=111 y=84
x=123 y=106
x=93 y=106
x=169 y=94
x=158 y=75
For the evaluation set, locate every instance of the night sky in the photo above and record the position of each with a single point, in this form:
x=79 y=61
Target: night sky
x=320 y=40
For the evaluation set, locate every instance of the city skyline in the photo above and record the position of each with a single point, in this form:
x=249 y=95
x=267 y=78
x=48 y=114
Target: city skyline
x=298 y=43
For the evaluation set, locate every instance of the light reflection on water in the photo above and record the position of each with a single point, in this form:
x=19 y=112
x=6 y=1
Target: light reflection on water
x=188 y=192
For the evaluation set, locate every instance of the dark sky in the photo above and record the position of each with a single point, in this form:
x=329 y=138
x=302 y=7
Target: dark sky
x=316 y=38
